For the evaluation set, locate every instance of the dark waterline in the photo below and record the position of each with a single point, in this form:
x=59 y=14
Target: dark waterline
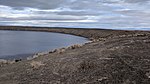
x=21 y=44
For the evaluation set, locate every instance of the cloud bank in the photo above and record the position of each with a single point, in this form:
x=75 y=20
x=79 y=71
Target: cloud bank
x=76 y=13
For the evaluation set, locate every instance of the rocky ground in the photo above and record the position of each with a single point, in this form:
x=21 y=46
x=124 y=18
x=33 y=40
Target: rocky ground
x=113 y=57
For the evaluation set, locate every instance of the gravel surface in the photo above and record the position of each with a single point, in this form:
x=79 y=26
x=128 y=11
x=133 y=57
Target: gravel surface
x=113 y=57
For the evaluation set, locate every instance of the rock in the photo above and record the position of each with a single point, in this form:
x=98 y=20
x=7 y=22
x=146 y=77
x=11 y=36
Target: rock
x=75 y=46
x=17 y=60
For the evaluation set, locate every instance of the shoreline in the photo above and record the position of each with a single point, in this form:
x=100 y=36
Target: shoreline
x=32 y=56
x=113 y=57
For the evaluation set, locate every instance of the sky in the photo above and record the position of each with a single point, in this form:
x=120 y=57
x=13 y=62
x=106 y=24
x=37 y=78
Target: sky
x=111 y=14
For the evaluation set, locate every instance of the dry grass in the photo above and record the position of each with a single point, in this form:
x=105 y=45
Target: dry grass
x=36 y=64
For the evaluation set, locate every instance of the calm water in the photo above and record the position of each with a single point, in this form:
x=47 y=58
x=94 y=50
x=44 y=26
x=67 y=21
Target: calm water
x=20 y=44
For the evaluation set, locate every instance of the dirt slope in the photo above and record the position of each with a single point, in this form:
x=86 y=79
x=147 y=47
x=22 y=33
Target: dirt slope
x=114 y=57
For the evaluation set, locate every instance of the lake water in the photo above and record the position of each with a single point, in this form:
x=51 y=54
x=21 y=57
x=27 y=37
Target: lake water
x=20 y=44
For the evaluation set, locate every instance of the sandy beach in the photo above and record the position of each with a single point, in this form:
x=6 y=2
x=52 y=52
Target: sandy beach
x=112 y=57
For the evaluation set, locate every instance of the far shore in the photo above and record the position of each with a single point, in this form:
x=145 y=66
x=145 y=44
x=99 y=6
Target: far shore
x=91 y=34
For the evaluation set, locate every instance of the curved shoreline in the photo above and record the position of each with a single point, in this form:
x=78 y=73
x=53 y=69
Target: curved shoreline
x=113 y=57
x=29 y=55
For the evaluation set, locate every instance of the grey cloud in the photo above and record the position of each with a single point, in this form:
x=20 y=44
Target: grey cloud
x=136 y=1
x=127 y=1
x=74 y=4
x=43 y=4
x=80 y=13
x=52 y=4
x=135 y=13
x=89 y=5
x=108 y=13
x=45 y=17
x=57 y=18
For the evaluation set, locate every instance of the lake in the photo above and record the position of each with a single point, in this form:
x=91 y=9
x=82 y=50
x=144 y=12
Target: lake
x=21 y=44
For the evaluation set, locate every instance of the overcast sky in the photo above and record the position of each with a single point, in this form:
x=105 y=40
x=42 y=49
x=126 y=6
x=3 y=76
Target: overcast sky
x=76 y=13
